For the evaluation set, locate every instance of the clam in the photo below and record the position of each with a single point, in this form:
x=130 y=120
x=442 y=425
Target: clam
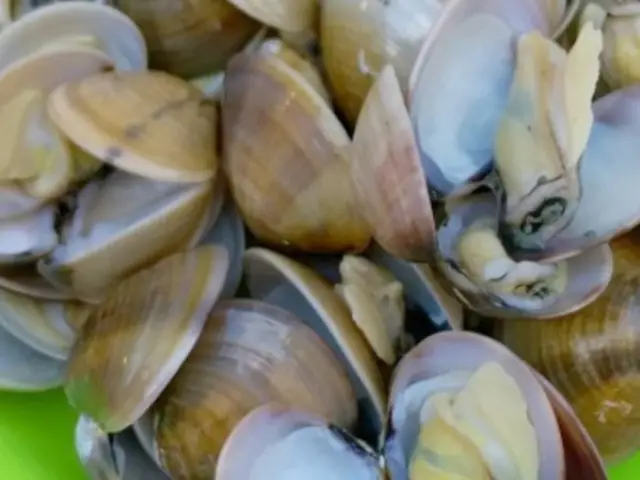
x=358 y=38
x=446 y=384
x=117 y=456
x=286 y=157
x=287 y=15
x=123 y=223
x=248 y=354
x=147 y=123
x=390 y=185
x=25 y=239
x=228 y=231
x=456 y=121
x=47 y=327
x=114 y=33
x=589 y=356
x=276 y=442
x=190 y=38
x=281 y=281
x=23 y=368
x=135 y=341
x=488 y=280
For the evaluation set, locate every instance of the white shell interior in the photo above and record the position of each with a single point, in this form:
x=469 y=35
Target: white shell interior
x=461 y=83
x=29 y=236
x=229 y=232
x=116 y=33
x=14 y=202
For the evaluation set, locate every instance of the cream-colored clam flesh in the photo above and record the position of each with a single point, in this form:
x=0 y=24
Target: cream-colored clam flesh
x=117 y=34
x=40 y=325
x=136 y=340
x=149 y=123
x=442 y=368
x=275 y=442
x=87 y=41
x=544 y=132
x=25 y=239
x=376 y=302
x=456 y=120
x=113 y=457
x=488 y=280
x=24 y=369
x=390 y=184
x=122 y=223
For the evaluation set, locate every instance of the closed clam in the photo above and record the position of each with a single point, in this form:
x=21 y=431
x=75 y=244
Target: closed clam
x=286 y=156
x=249 y=353
x=135 y=341
x=190 y=38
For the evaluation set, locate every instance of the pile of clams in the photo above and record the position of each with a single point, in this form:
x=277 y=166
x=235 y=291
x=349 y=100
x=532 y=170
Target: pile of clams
x=337 y=239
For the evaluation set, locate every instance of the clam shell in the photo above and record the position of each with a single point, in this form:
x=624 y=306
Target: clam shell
x=26 y=280
x=278 y=280
x=590 y=357
x=40 y=325
x=275 y=122
x=248 y=354
x=24 y=369
x=27 y=238
x=190 y=38
x=424 y=288
x=456 y=121
x=122 y=224
x=287 y=15
x=387 y=175
x=270 y=424
x=117 y=35
x=135 y=341
x=214 y=209
x=609 y=205
x=358 y=38
x=15 y=203
x=148 y=123
x=113 y=457
x=588 y=274
x=447 y=352
x=228 y=231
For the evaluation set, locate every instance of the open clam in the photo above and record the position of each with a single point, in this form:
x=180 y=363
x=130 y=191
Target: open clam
x=114 y=457
x=190 y=38
x=276 y=442
x=281 y=281
x=448 y=380
x=148 y=123
x=121 y=224
x=135 y=341
x=456 y=121
x=590 y=356
x=26 y=280
x=275 y=122
x=488 y=280
x=249 y=353
x=114 y=33
x=358 y=38
x=25 y=239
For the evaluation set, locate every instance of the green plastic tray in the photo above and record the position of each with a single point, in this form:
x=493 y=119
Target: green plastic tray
x=36 y=440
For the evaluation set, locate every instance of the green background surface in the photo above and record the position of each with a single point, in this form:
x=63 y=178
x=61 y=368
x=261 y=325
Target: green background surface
x=36 y=440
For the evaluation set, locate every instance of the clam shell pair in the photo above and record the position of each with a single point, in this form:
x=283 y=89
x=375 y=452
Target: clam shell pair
x=254 y=447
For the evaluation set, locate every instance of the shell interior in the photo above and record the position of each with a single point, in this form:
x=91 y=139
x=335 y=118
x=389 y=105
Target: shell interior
x=273 y=442
x=116 y=34
x=25 y=279
x=456 y=120
x=26 y=238
x=280 y=281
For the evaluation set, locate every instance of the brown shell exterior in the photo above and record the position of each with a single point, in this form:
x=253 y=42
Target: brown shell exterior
x=591 y=356
x=250 y=353
x=190 y=38
x=134 y=342
x=285 y=155
x=359 y=37
x=389 y=182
